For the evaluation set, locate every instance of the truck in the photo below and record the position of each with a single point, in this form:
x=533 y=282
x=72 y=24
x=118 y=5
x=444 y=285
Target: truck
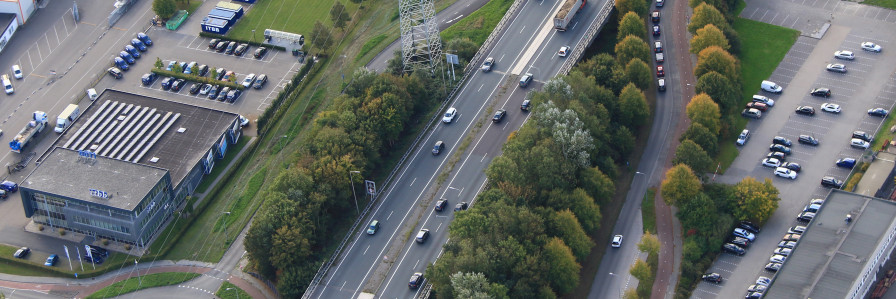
x=37 y=124
x=566 y=12
x=67 y=117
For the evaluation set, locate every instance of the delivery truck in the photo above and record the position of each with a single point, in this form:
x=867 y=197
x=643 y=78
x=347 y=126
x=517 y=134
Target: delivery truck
x=67 y=117
x=37 y=124
x=567 y=12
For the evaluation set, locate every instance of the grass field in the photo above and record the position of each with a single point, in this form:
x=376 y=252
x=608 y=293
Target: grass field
x=143 y=282
x=296 y=16
x=479 y=24
x=648 y=212
x=231 y=291
x=891 y=4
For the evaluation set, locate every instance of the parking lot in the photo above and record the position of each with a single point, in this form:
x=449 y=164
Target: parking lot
x=868 y=83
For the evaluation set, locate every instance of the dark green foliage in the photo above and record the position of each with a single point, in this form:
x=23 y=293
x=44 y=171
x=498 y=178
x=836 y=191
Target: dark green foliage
x=702 y=137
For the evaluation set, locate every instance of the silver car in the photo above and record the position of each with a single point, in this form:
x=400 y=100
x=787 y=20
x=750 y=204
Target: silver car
x=487 y=65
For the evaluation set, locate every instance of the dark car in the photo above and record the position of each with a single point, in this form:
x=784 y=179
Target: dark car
x=213 y=44
x=127 y=57
x=712 y=277
x=777 y=155
x=733 y=249
x=133 y=51
x=526 y=105
x=461 y=206
x=166 y=83
x=441 y=204
x=177 y=85
x=846 y=163
x=655 y=16
x=416 y=280
x=805 y=216
x=3 y=194
x=115 y=72
x=259 y=53
x=806 y=110
x=806 y=139
x=438 y=148
x=233 y=95
x=194 y=89
x=219 y=73
x=782 y=141
x=753 y=295
x=98 y=251
x=121 y=63
x=831 y=182
x=230 y=48
x=221 y=46
x=749 y=226
x=774 y=267
x=260 y=81
x=821 y=92
x=779 y=148
x=499 y=115
x=879 y=112
x=742 y=242
x=792 y=166
x=241 y=49
x=203 y=70
x=656 y=30
x=862 y=135
x=144 y=38
x=138 y=44
x=149 y=78
x=22 y=253
x=223 y=94
x=757 y=105
x=93 y=259
x=213 y=93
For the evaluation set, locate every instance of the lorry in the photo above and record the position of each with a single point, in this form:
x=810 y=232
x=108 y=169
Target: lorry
x=566 y=12
x=37 y=124
x=67 y=117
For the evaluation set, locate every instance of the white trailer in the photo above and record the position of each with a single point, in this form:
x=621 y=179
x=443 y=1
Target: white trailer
x=567 y=11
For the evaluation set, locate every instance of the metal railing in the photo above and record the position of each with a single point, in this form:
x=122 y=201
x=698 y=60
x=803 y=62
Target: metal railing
x=489 y=42
x=589 y=36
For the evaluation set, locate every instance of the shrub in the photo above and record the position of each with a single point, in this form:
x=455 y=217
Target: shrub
x=104 y=241
x=61 y=231
x=127 y=246
x=40 y=227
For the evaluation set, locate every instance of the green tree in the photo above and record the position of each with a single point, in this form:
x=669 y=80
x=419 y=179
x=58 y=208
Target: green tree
x=706 y=14
x=164 y=8
x=321 y=37
x=631 y=47
x=475 y=286
x=692 y=155
x=639 y=7
x=290 y=246
x=601 y=68
x=704 y=111
x=338 y=15
x=566 y=226
x=710 y=35
x=755 y=201
x=159 y=64
x=702 y=137
x=633 y=108
x=641 y=270
x=177 y=68
x=649 y=244
x=563 y=271
x=195 y=70
x=630 y=294
x=722 y=90
x=714 y=58
x=213 y=73
x=680 y=185
x=721 y=5
x=639 y=73
x=631 y=24
x=699 y=214
x=464 y=48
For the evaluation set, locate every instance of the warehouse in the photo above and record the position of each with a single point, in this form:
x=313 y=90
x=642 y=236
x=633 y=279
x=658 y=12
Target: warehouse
x=123 y=168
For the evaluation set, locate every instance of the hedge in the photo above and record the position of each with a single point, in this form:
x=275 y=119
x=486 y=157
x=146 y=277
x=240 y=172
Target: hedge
x=257 y=44
x=195 y=78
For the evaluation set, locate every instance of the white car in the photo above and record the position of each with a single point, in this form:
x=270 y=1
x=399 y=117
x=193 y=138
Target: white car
x=787 y=244
x=763 y=281
x=771 y=162
x=247 y=82
x=617 y=241
x=563 y=51
x=859 y=143
x=799 y=230
x=783 y=251
x=848 y=55
x=771 y=86
x=739 y=232
x=17 y=71
x=830 y=107
x=836 y=67
x=243 y=121
x=743 y=137
x=449 y=115
x=764 y=100
x=869 y=46
x=487 y=65
x=777 y=259
x=785 y=173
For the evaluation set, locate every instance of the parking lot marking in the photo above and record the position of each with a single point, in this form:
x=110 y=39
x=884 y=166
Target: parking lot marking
x=763 y=15
x=754 y=13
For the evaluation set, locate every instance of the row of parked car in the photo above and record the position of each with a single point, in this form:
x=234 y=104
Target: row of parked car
x=237 y=49
x=129 y=56
x=96 y=255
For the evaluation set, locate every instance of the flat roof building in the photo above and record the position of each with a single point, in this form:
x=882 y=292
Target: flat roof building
x=836 y=257
x=122 y=169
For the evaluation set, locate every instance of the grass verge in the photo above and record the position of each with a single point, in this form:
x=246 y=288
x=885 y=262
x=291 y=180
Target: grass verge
x=231 y=153
x=648 y=212
x=231 y=291
x=296 y=16
x=883 y=135
x=891 y=4
x=373 y=42
x=480 y=23
x=33 y=265
x=143 y=282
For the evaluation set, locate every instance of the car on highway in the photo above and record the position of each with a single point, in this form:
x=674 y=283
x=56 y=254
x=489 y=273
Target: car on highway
x=658 y=47
x=846 y=163
x=659 y=3
x=806 y=139
x=805 y=110
x=771 y=162
x=462 y=206
x=764 y=100
x=661 y=84
x=17 y=71
x=487 y=64
x=51 y=260
x=438 y=148
x=259 y=53
x=144 y=38
x=787 y=244
x=660 y=72
x=449 y=115
x=773 y=267
x=526 y=79
x=785 y=173
x=416 y=280
x=115 y=72
x=749 y=226
x=655 y=16
x=743 y=137
x=777 y=258
x=775 y=147
x=526 y=105
x=739 y=232
x=260 y=81
x=879 y=112
x=831 y=182
x=751 y=113
x=770 y=86
x=843 y=54
x=21 y=253
x=862 y=135
x=836 y=67
x=757 y=105
x=792 y=166
x=871 y=47
x=782 y=141
x=783 y=251
x=830 y=108
x=617 y=241
x=138 y=44
x=820 y=92
x=441 y=204
x=805 y=216
x=733 y=249
x=248 y=80
x=859 y=143
x=564 y=50
x=777 y=155
x=656 y=30
x=712 y=277
x=499 y=116
x=422 y=235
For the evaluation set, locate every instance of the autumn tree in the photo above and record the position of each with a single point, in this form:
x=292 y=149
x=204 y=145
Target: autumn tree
x=650 y=244
x=565 y=225
x=631 y=24
x=755 y=201
x=476 y=286
x=680 y=185
x=642 y=271
x=692 y=155
x=633 y=108
x=639 y=73
x=631 y=47
x=709 y=35
x=704 y=111
x=706 y=14
x=700 y=135
x=639 y=7
x=714 y=58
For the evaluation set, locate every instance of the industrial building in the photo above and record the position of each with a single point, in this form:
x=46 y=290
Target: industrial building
x=121 y=170
x=20 y=10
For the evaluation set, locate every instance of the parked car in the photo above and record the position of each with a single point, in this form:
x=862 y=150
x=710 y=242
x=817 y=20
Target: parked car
x=127 y=57
x=222 y=95
x=836 y=67
x=879 y=112
x=22 y=253
x=203 y=70
x=740 y=242
x=777 y=155
x=739 y=232
x=51 y=260
x=787 y=244
x=743 y=137
x=213 y=43
x=785 y=173
x=166 y=83
x=219 y=73
x=805 y=216
x=221 y=46
x=115 y=72
x=177 y=85
x=656 y=30
x=782 y=141
x=757 y=288
x=138 y=44
x=751 y=113
x=17 y=72
x=831 y=182
x=712 y=277
x=805 y=110
x=194 y=89
x=843 y=54
x=783 y=251
x=233 y=95
x=770 y=86
x=773 y=267
x=809 y=208
x=241 y=49
x=764 y=100
x=260 y=81
x=820 y=92
x=660 y=72
x=771 y=162
x=259 y=53
x=148 y=78
x=791 y=237
x=733 y=249
x=779 y=148
x=846 y=163
x=777 y=258
x=757 y=105
x=871 y=47
x=799 y=229
x=144 y=38
x=230 y=48
x=133 y=51
x=862 y=135
x=806 y=139
x=247 y=82
x=830 y=107
x=617 y=241
x=205 y=89
x=749 y=226
x=658 y=47
x=213 y=92
x=792 y=166
x=859 y=143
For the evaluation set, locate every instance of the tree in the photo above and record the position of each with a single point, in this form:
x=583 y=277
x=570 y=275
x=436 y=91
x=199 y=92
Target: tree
x=321 y=36
x=639 y=73
x=338 y=15
x=718 y=87
x=641 y=270
x=159 y=64
x=567 y=227
x=563 y=271
x=639 y=7
x=464 y=47
x=706 y=14
x=649 y=243
x=709 y=35
x=690 y=154
x=631 y=24
x=475 y=286
x=700 y=135
x=714 y=58
x=700 y=214
x=704 y=111
x=633 y=109
x=567 y=131
x=680 y=185
x=177 y=68
x=195 y=69
x=164 y=8
x=755 y=201
x=631 y=47
x=630 y=294
x=721 y=5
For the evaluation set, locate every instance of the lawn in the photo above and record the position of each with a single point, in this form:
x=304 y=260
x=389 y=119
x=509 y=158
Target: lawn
x=479 y=24
x=296 y=16
x=891 y=4
x=143 y=282
x=648 y=212
x=231 y=291
x=883 y=135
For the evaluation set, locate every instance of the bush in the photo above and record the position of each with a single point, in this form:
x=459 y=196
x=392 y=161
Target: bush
x=61 y=231
x=40 y=227
x=853 y=181
x=127 y=246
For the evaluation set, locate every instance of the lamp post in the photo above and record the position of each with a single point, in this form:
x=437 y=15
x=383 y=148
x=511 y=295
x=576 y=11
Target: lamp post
x=351 y=178
x=232 y=289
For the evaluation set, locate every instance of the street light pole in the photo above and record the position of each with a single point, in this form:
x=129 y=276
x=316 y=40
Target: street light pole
x=351 y=178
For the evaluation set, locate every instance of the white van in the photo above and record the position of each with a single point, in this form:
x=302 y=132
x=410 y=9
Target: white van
x=771 y=86
x=67 y=117
x=6 y=84
x=91 y=93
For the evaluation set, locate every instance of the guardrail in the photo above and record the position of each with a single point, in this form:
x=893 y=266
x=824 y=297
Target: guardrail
x=589 y=36
x=489 y=42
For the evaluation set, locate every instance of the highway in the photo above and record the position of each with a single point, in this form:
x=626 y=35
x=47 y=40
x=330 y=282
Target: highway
x=529 y=44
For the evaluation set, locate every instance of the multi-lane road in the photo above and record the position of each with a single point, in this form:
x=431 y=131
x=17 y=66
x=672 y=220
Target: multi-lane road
x=529 y=44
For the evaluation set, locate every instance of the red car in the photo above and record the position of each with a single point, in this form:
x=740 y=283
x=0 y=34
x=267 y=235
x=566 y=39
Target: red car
x=757 y=106
x=660 y=72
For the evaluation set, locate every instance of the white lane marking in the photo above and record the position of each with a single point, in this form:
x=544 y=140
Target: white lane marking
x=390 y=215
x=412 y=182
x=365 y=250
x=546 y=28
